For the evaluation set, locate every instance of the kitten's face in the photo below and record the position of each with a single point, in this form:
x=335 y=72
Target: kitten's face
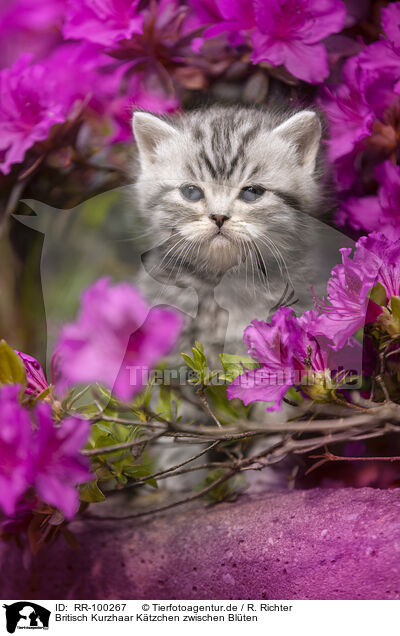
x=222 y=185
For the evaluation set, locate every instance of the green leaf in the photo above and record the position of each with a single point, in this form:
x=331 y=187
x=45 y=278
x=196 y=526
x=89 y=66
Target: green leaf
x=378 y=295
x=108 y=401
x=191 y=363
x=12 y=369
x=105 y=427
x=199 y=359
x=90 y=492
x=199 y=346
x=148 y=392
x=227 y=411
x=395 y=307
x=42 y=395
x=235 y=365
x=168 y=403
x=294 y=395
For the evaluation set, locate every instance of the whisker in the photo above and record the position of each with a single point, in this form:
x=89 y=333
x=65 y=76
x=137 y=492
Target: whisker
x=183 y=239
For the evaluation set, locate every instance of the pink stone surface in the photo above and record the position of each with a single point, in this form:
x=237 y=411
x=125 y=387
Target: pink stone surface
x=313 y=544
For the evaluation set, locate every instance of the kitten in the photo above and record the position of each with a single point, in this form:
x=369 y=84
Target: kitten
x=229 y=194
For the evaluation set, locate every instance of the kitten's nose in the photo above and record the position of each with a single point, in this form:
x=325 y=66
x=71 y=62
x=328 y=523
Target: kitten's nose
x=219 y=219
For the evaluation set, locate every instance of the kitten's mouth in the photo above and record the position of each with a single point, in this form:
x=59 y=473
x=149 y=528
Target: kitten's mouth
x=220 y=236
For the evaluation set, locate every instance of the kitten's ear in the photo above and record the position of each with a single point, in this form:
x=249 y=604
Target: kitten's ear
x=303 y=131
x=149 y=131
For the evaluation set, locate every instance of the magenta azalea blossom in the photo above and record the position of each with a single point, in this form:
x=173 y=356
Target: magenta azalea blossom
x=347 y=307
x=138 y=69
x=32 y=26
x=36 y=380
x=116 y=339
x=271 y=345
x=102 y=21
x=288 y=352
x=30 y=106
x=138 y=96
x=35 y=97
x=360 y=213
x=391 y=22
x=221 y=16
x=290 y=33
x=36 y=453
x=57 y=463
x=15 y=448
x=384 y=253
x=379 y=69
x=349 y=114
x=376 y=213
x=362 y=114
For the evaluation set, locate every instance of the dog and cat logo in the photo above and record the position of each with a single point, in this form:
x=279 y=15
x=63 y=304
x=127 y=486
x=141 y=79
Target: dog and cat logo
x=26 y=615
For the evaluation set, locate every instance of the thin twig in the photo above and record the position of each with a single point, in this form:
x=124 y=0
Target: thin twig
x=339 y=458
x=122 y=420
x=174 y=504
x=392 y=353
x=174 y=468
x=92 y=452
x=182 y=471
x=206 y=406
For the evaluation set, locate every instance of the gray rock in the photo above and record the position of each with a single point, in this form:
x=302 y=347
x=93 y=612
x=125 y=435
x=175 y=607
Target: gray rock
x=315 y=544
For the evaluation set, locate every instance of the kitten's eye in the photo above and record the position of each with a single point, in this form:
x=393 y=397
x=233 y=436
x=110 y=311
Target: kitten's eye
x=251 y=193
x=192 y=192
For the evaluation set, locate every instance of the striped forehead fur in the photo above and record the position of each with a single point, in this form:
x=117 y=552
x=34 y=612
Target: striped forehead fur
x=222 y=136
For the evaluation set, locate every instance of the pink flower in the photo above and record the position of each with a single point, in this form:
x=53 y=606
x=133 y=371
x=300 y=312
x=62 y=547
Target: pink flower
x=29 y=26
x=379 y=68
x=102 y=21
x=360 y=213
x=221 y=16
x=348 y=308
x=140 y=94
x=36 y=453
x=36 y=380
x=378 y=251
x=30 y=106
x=35 y=97
x=271 y=345
x=362 y=111
x=57 y=464
x=391 y=22
x=379 y=212
x=15 y=448
x=144 y=62
x=116 y=339
x=289 y=355
x=290 y=33
x=349 y=114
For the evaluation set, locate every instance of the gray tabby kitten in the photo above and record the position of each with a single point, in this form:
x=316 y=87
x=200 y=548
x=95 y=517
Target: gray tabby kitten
x=228 y=193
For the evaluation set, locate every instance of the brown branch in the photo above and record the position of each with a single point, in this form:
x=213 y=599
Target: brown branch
x=339 y=458
x=174 y=504
x=392 y=353
x=339 y=400
x=183 y=471
x=164 y=473
x=117 y=447
x=206 y=406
